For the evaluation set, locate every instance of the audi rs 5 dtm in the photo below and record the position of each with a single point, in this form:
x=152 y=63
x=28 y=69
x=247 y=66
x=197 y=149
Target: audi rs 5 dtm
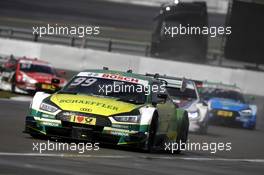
x=227 y=106
x=83 y=110
x=26 y=75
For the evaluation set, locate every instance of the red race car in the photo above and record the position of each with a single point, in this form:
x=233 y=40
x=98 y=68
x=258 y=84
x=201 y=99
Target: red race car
x=26 y=75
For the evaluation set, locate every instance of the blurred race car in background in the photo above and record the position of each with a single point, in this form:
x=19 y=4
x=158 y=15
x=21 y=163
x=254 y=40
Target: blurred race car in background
x=227 y=106
x=90 y=108
x=185 y=95
x=27 y=76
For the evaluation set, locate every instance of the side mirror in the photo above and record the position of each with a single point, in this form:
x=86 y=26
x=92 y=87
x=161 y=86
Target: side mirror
x=252 y=98
x=55 y=81
x=159 y=98
x=163 y=96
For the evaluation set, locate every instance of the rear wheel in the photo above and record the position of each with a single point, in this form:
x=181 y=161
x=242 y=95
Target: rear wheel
x=183 y=134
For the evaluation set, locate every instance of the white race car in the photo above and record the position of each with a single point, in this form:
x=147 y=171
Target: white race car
x=185 y=95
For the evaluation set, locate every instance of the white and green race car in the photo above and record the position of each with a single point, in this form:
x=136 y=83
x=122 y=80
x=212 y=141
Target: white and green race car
x=92 y=108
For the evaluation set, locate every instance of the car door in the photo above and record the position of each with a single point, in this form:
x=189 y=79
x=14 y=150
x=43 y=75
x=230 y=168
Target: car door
x=167 y=111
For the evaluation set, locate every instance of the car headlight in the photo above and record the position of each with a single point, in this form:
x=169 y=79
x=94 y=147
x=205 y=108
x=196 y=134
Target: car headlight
x=48 y=108
x=246 y=112
x=28 y=79
x=209 y=106
x=63 y=84
x=193 y=115
x=129 y=118
x=32 y=81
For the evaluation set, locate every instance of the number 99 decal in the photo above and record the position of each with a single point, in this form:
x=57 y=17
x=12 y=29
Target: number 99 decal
x=83 y=81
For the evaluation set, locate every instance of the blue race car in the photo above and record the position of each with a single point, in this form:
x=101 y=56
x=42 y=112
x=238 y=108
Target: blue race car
x=228 y=107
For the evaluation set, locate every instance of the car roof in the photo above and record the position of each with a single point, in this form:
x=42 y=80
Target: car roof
x=34 y=61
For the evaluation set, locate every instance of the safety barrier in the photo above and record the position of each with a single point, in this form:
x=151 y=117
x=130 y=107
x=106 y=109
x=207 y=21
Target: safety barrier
x=80 y=59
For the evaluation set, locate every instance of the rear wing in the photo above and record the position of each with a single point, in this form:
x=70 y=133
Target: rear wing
x=176 y=82
x=220 y=85
x=171 y=81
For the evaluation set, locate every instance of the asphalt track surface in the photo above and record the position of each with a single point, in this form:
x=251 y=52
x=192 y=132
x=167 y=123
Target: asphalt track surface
x=17 y=155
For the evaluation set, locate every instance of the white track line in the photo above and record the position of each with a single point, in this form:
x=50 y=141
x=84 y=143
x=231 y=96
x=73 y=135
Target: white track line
x=127 y=157
x=21 y=98
x=141 y=2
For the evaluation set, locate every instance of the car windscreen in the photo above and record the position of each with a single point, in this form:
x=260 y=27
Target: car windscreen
x=177 y=93
x=123 y=91
x=28 y=67
x=209 y=93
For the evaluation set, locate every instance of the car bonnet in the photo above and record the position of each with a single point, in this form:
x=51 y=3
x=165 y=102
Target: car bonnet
x=92 y=104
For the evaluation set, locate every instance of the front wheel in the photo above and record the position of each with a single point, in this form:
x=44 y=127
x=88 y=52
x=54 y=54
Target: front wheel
x=152 y=134
x=13 y=84
x=13 y=87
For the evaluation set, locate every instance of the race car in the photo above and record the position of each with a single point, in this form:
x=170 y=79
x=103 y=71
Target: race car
x=25 y=75
x=185 y=95
x=227 y=106
x=113 y=107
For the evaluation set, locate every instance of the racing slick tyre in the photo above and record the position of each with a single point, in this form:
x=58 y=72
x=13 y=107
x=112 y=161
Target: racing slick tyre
x=252 y=127
x=183 y=134
x=152 y=134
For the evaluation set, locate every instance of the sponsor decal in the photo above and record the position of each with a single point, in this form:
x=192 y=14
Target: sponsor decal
x=49 y=123
x=114 y=77
x=87 y=102
x=120 y=78
x=47 y=116
x=91 y=104
x=117 y=133
x=48 y=87
x=83 y=120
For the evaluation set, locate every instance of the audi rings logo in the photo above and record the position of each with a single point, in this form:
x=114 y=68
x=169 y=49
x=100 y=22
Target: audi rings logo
x=85 y=109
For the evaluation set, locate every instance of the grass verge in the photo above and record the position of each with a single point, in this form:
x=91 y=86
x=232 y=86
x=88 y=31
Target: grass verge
x=5 y=94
